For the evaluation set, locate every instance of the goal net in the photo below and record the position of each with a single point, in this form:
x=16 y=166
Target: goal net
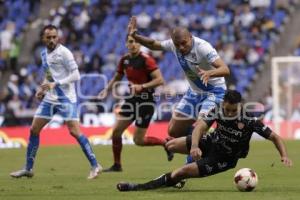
x=286 y=96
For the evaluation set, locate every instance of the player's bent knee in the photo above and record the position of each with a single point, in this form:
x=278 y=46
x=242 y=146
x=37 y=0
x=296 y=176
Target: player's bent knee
x=74 y=133
x=182 y=173
x=35 y=130
x=172 y=132
x=117 y=132
x=188 y=171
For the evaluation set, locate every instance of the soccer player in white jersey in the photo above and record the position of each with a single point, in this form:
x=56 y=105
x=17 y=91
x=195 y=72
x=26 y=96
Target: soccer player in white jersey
x=58 y=96
x=204 y=70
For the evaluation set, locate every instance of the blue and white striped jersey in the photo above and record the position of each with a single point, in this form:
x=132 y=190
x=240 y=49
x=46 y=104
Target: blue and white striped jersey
x=200 y=57
x=57 y=65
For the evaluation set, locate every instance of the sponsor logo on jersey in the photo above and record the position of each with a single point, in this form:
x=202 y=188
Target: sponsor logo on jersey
x=126 y=62
x=230 y=130
x=222 y=165
x=211 y=56
x=193 y=55
x=208 y=168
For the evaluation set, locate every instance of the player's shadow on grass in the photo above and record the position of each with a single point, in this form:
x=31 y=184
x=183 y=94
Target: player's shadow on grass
x=196 y=190
x=227 y=190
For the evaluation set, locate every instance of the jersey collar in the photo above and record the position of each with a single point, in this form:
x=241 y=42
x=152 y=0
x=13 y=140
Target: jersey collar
x=57 y=46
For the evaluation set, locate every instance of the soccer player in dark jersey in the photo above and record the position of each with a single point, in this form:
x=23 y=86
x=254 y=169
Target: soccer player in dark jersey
x=143 y=75
x=216 y=152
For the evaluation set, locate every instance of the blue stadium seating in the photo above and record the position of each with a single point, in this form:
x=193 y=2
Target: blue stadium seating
x=109 y=35
x=113 y=30
x=18 y=12
x=112 y=43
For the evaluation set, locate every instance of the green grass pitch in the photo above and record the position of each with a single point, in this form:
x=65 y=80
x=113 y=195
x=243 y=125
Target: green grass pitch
x=60 y=173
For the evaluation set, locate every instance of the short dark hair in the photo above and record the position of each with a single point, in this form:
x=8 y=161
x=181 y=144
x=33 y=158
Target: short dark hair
x=49 y=26
x=232 y=97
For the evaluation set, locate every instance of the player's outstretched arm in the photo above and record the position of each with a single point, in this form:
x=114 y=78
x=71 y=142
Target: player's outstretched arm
x=276 y=139
x=145 y=41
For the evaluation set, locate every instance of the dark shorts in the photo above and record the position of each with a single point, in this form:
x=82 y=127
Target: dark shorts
x=138 y=109
x=211 y=162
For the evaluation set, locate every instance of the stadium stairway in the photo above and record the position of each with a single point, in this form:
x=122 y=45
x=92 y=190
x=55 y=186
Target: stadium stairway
x=31 y=34
x=284 y=47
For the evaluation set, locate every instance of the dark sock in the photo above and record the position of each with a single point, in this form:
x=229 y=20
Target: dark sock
x=164 y=180
x=117 y=148
x=169 y=181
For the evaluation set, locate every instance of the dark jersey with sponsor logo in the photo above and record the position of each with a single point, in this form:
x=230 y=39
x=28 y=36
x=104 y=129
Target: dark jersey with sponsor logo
x=137 y=69
x=232 y=136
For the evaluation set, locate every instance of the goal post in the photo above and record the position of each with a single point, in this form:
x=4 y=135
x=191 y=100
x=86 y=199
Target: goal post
x=286 y=96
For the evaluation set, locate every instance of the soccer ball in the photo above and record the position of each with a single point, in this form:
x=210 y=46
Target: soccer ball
x=245 y=179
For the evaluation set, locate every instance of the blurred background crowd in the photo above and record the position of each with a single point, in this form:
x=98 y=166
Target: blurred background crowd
x=242 y=31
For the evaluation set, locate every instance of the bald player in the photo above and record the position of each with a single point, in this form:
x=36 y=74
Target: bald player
x=203 y=68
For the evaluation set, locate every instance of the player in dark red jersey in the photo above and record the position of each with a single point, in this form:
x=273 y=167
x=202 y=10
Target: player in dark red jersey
x=216 y=152
x=143 y=75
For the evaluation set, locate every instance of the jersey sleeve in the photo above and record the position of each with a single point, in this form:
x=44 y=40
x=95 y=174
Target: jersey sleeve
x=120 y=67
x=208 y=52
x=167 y=45
x=150 y=64
x=211 y=117
x=69 y=60
x=261 y=129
